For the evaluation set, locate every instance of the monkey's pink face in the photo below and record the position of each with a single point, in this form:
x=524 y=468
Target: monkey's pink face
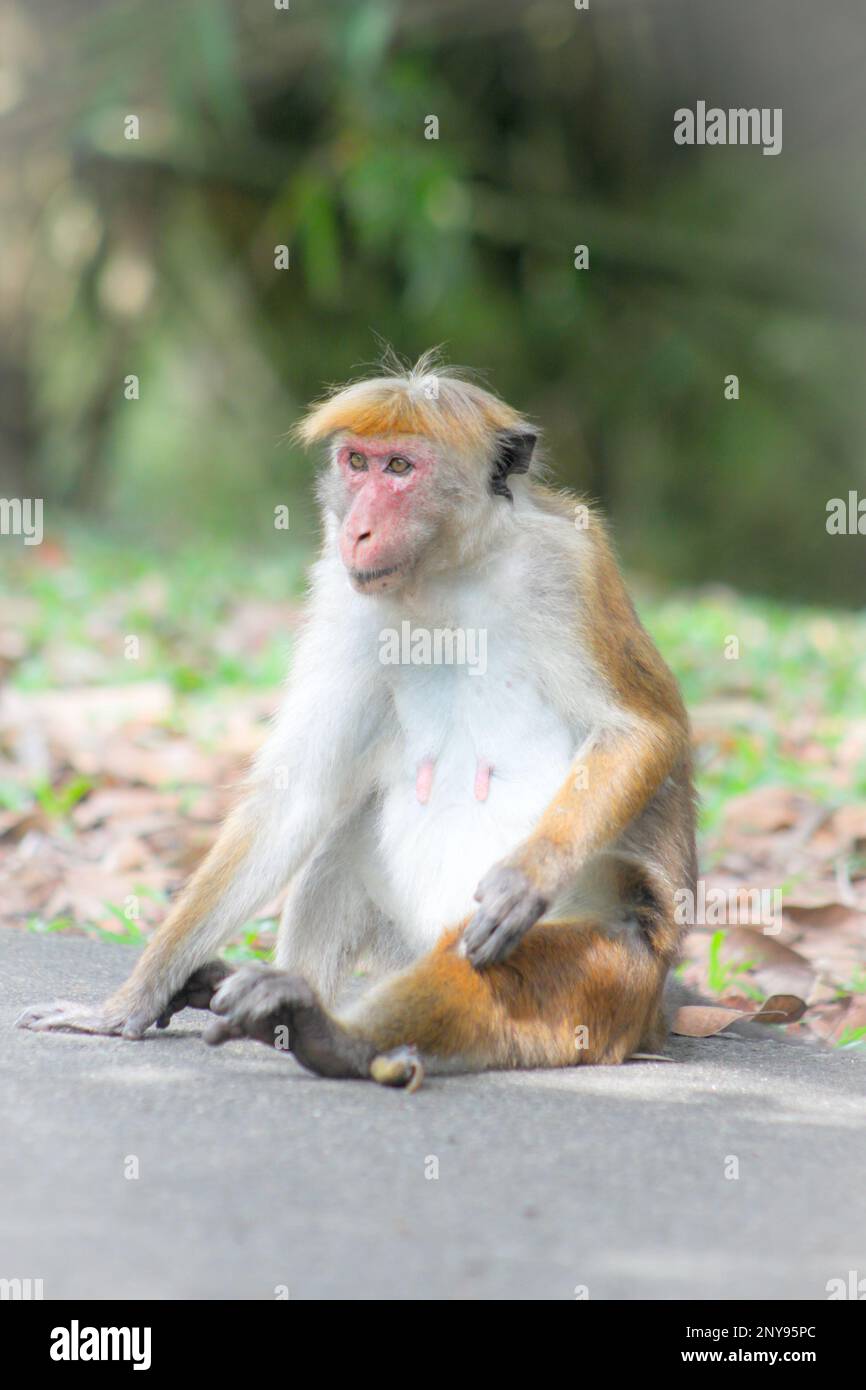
x=392 y=517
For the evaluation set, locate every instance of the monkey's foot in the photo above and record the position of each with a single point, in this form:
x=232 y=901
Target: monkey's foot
x=258 y=1001
x=198 y=991
x=282 y=1011
x=401 y=1067
x=64 y=1016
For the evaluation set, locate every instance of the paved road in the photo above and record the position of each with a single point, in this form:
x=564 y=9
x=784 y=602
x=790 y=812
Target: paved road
x=254 y=1175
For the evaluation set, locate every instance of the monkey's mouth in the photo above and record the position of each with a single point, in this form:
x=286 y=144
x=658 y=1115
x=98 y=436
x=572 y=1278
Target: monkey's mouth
x=364 y=579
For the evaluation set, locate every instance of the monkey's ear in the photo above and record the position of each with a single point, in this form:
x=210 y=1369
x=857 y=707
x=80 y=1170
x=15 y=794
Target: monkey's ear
x=513 y=455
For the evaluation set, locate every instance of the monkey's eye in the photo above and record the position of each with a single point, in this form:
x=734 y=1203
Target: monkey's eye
x=357 y=462
x=399 y=466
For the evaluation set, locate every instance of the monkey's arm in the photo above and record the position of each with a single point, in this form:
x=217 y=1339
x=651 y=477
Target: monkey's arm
x=257 y=850
x=606 y=789
x=612 y=779
x=309 y=773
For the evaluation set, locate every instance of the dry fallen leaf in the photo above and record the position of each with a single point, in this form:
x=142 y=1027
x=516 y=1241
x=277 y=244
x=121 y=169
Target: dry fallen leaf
x=133 y=806
x=780 y=1008
x=705 y=1020
x=829 y=914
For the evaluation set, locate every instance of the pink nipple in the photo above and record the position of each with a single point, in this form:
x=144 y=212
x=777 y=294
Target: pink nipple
x=424 y=781
x=483 y=770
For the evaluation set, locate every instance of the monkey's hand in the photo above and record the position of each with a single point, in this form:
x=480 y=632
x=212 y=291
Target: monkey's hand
x=65 y=1016
x=509 y=906
x=124 y=1015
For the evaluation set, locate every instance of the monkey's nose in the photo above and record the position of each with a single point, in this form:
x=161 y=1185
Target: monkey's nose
x=361 y=544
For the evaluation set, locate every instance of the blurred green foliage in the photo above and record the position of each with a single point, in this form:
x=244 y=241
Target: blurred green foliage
x=305 y=127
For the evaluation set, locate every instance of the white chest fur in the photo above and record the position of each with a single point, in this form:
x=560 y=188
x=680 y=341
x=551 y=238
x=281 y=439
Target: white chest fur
x=476 y=756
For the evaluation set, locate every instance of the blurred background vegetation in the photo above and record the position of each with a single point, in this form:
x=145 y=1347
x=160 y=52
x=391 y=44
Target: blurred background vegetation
x=305 y=127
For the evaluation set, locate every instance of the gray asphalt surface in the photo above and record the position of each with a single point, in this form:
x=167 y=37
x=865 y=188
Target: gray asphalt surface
x=255 y=1175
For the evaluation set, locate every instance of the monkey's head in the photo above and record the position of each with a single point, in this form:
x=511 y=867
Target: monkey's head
x=419 y=470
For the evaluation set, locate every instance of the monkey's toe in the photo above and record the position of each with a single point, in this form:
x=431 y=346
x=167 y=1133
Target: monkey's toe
x=400 y=1067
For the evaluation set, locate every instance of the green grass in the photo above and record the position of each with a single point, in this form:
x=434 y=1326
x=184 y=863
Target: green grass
x=723 y=976
x=250 y=946
x=130 y=935
x=101 y=591
x=794 y=664
x=58 y=802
